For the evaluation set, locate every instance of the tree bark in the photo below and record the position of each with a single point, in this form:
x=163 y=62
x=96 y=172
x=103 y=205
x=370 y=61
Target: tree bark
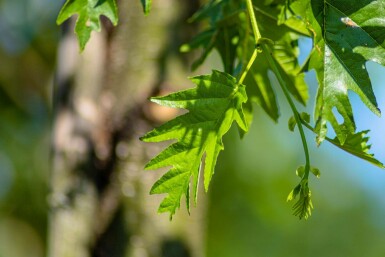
x=99 y=193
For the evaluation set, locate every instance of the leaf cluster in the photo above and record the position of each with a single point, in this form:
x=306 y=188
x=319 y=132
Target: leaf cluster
x=253 y=39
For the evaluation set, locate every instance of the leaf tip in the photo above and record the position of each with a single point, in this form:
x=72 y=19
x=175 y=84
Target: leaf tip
x=378 y=112
x=146 y=5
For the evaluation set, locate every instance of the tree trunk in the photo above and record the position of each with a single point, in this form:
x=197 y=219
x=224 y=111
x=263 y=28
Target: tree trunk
x=99 y=193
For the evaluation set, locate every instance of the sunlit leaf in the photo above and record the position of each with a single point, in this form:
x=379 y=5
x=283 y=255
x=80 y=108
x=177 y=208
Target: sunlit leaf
x=88 y=20
x=213 y=106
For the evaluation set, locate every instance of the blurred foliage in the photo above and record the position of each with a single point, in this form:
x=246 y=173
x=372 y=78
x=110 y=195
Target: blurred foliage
x=28 y=41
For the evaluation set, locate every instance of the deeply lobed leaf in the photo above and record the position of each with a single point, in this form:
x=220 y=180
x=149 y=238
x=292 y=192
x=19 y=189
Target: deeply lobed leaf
x=346 y=35
x=213 y=106
x=357 y=145
x=88 y=12
x=229 y=33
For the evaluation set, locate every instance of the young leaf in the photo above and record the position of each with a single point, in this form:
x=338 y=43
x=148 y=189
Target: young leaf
x=303 y=207
x=293 y=122
x=88 y=12
x=213 y=106
x=293 y=194
x=316 y=172
x=146 y=6
x=346 y=35
x=300 y=171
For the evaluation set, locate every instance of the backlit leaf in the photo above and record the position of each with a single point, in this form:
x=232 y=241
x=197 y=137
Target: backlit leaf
x=213 y=106
x=88 y=20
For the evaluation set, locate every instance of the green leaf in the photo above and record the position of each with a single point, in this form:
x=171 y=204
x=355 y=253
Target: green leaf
x=228 y=25
x=248 y=113
x=288 y=17
x=300 y=171
x=260 y=89
x=294 y=193
x=146 y=6
x=210 y=10
x=347 y=34
x=292 y=123
x=213 y=106
x=88 y=12
x=222 y=34
x=220 y=37
x=356 y=145
x=304 y=116
x=303 y=207
x=285 y=53
x=316 y=172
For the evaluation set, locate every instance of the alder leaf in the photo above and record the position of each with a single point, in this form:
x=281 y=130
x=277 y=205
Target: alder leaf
x=213 y=106
x=89 y=12
x=146 y=6
x=347 y=34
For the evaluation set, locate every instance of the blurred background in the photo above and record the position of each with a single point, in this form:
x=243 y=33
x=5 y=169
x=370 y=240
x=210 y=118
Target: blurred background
x=245 y=212
x=28 y=45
